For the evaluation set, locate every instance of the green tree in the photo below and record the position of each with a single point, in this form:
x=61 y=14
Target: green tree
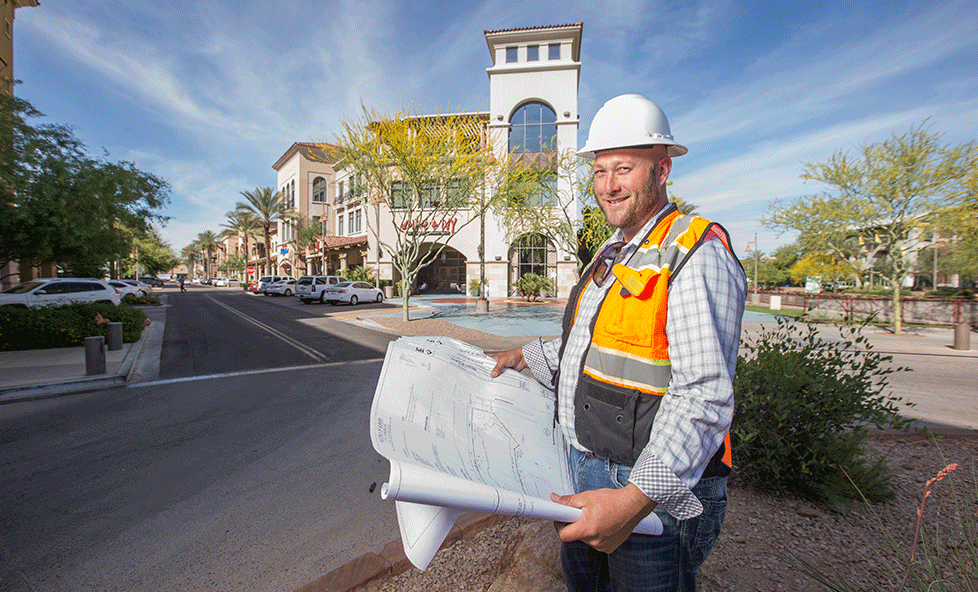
x=267 y=206
x=431 y=171
x=58 y=205
x=891 y=189
x=191 y=256
x=207 y=241
x=243 y=225
x=154 y=254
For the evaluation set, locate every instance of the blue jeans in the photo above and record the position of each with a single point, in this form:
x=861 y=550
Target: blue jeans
x=665 y=563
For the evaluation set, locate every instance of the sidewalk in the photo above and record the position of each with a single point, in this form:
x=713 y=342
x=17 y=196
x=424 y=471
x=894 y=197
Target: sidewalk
x=45 y=373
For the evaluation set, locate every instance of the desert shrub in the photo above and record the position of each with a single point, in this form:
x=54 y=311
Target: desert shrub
x=66 y=326
x=531 y=285
x=804 y=405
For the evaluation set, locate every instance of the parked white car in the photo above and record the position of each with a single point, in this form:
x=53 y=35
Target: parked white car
x=125 y=289
x=142 y=288
x=313 y=287
x=282 y=288
x=352 y=292
x=267 y=280
x=59 y=292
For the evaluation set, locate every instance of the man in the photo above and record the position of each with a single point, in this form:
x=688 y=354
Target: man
x=182 y=288
x=643 y=370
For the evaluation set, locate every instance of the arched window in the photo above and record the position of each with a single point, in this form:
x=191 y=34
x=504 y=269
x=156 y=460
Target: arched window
x=531 y=253
x=319 y=190
x=533 y=128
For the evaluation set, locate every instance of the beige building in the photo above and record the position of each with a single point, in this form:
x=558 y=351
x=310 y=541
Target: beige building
x=533 y=85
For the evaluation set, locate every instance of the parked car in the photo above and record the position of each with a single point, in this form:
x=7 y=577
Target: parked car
x=58 y=292
x=266 y=280
x=144 y=289
x=312 y=287
x=221 y=282
x=253 y=287
x=282 y=288
x=352 y=292
x=153 y=281
x=125 y=289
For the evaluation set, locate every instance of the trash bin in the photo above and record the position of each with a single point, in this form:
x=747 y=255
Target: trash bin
x=388 y=292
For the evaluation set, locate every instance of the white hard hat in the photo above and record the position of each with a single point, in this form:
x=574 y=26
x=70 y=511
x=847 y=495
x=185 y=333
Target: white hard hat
x=629 y=121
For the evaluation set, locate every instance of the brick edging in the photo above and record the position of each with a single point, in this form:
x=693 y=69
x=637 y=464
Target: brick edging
x=391 y=561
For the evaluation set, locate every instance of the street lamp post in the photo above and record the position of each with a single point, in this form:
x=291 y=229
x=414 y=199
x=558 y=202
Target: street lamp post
x=755 y=260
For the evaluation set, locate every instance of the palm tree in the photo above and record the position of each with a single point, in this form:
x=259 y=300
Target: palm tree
x=207 y=241
x=191 y=255
x=266 y=207
x=242 y=224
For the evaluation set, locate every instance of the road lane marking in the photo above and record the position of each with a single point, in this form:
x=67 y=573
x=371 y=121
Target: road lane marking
x=293 y=342
x=252 y=372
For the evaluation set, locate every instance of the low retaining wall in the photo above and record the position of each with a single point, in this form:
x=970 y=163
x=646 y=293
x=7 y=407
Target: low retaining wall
x=923 y=311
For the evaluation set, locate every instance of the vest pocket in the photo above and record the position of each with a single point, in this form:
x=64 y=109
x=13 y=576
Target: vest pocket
x=613 y=422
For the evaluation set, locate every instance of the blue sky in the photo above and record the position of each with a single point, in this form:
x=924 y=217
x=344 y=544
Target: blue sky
x=208 y=94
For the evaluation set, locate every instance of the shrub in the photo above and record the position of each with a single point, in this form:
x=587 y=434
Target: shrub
x=530 y=285
x=65 y=326
x=141 y=300
x=951 y=293
x=804 y=405
x=358 y=274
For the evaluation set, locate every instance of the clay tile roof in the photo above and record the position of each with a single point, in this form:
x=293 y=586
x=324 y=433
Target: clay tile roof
x=538 y=28
x=336 y=242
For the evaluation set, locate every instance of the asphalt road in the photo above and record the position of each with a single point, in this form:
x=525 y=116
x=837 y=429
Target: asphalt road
x=247 y=466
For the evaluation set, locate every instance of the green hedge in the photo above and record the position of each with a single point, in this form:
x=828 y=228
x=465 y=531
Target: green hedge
x=65 y=326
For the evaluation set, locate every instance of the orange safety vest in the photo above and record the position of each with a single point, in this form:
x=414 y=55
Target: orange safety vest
x=626 y=368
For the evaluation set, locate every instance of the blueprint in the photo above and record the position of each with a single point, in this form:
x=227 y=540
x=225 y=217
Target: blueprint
x=458 y=441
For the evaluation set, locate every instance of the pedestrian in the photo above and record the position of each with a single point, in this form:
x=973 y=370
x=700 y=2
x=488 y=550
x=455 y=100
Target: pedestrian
x=182 y=287
x=643 y=369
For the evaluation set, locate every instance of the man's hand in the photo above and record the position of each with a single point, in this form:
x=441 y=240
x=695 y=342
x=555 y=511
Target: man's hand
x=610 y=515
x=508 y=359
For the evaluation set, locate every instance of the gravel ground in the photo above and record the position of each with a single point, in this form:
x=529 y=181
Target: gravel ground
x=760 y=535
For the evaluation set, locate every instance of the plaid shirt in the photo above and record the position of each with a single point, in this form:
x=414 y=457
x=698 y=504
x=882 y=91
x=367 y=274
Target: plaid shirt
x=705 y=310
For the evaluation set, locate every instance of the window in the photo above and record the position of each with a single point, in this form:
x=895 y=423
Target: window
x=554 y=50
x=400 y=198
x=429 y=195
x=319 y=190
x=339 y=226
x=529 y=255
x=533 y=53
x=455 y=193
x=359 y=218
x=339 y=193
x=533 y=128
x=511 y=55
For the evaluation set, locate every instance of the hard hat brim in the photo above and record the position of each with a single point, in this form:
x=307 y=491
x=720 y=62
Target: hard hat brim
x=673 y=150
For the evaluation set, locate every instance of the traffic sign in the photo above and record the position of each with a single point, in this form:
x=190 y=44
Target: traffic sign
x=251 y=269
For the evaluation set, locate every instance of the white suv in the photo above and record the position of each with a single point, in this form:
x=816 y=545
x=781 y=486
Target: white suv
x=312 y=287
x=267 y=280
x=59 y=292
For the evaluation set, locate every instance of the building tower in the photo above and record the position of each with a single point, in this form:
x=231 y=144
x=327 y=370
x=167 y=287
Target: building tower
x=533 y=85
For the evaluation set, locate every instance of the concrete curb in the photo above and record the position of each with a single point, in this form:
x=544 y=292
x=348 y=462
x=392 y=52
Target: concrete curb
x=371 y=568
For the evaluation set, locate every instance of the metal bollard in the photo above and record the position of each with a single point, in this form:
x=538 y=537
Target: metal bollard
x=114 y=336
x=962 y=336
x=94 y=355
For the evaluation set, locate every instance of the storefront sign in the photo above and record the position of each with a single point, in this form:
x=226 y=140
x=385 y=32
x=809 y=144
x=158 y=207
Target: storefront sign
x=446 y=226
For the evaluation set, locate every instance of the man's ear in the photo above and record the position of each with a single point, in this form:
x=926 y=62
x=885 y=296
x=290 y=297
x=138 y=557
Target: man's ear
x=665 y=167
